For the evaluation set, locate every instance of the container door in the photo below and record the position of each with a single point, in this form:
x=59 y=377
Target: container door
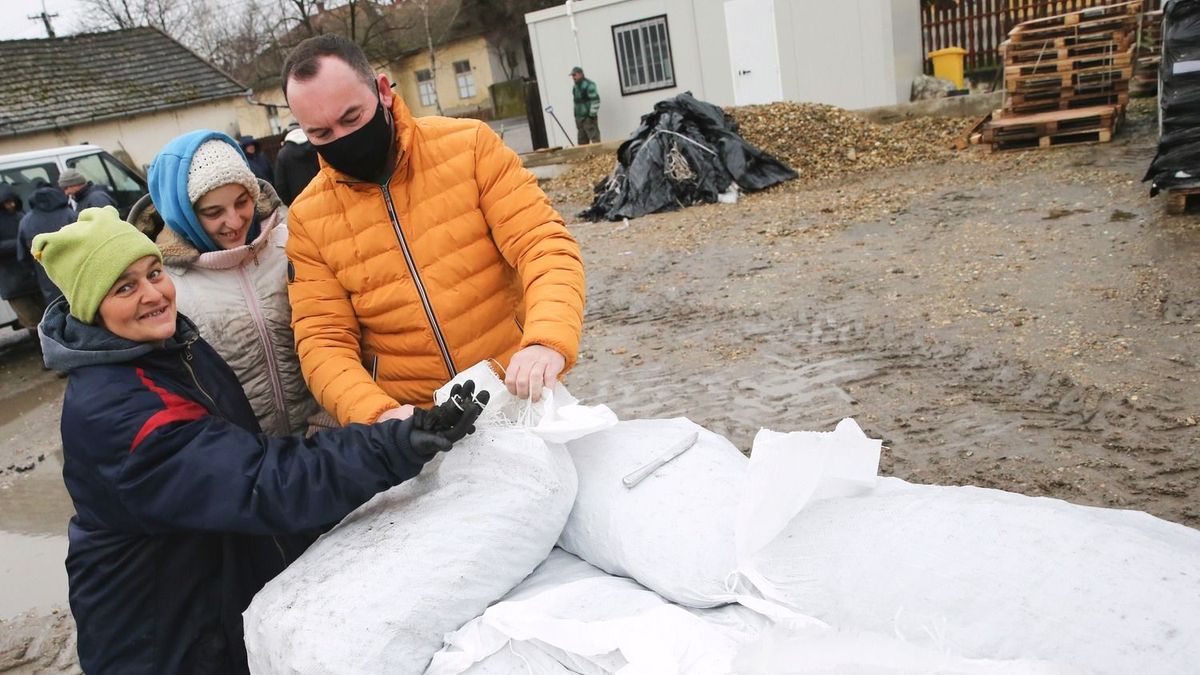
x=753 y=51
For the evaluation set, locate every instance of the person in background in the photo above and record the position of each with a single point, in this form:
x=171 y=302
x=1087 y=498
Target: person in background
x=223 y=243
x=84 y=193
x=18 y=278
x=295 y=165
x=421 y=248
x=49 y=210
x=259 y=163
x=587 y=107
x=184 y=509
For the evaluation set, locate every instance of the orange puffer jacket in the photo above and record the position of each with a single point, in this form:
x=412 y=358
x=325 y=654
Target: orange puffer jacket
x=459 y=260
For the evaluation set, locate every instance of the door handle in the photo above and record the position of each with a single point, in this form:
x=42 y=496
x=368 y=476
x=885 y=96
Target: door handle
x=743 y=72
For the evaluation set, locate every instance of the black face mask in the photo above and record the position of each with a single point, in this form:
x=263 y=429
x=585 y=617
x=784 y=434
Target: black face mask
x=364 y=152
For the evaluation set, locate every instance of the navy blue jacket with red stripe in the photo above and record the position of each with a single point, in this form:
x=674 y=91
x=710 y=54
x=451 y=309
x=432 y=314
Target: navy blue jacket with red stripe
x=184 y=510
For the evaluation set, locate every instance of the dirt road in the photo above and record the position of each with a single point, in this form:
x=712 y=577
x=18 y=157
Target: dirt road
x=1023 y=321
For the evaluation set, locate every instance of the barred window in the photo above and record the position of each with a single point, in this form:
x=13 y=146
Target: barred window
x=643 y=50
x=465 y=79
x=426 y=88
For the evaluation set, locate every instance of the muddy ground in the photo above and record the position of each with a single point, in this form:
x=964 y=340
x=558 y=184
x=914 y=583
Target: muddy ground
x=1022 y=321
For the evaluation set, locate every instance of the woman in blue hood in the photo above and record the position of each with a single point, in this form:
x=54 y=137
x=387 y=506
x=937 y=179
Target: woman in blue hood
x=184 y=509
x=223 y=244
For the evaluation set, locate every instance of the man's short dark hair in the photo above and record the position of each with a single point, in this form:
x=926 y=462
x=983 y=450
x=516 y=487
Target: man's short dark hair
x=304 y=61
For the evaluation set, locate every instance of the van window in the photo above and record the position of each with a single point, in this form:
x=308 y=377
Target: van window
x=24 y=179
x=103 y=169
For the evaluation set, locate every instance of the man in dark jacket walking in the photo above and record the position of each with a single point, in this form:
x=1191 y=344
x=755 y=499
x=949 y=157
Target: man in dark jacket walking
x=295 y=165
x=18 y=280
x=84 y=192
x=258 y=162
x=184 y=508
x=50 y=209
x=587 y=107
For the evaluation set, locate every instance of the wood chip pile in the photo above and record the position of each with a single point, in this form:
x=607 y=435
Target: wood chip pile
x=819 y=141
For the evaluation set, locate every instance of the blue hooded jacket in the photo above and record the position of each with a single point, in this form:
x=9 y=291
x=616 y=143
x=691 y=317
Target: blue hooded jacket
x=168 y=178
x=184 y=510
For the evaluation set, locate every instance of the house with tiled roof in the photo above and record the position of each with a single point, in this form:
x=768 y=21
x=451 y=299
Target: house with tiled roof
x=470 y=55
x=128 y=91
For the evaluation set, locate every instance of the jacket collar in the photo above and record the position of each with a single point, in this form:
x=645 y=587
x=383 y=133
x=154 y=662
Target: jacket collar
x=68 y=343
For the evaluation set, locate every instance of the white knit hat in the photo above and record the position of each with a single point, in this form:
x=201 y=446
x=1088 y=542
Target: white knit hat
x=218 y=163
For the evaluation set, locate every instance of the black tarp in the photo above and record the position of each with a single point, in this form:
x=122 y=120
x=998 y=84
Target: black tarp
x=1178 y=159
x=685 y=152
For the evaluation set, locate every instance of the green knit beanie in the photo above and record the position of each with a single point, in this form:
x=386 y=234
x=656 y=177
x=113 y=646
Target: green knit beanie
x=84 y=259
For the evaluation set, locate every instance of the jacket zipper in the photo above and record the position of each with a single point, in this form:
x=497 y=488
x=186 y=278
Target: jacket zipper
x=412 y=270
x=268 y=346
x=187 y=363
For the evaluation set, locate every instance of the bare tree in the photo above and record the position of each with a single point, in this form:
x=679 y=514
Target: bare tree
x=437 y=28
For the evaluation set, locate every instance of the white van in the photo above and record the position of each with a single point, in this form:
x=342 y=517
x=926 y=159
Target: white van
x=24 y=170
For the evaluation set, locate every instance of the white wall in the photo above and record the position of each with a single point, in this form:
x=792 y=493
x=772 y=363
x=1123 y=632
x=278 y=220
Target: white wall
x=691 y=24
x=849 y=53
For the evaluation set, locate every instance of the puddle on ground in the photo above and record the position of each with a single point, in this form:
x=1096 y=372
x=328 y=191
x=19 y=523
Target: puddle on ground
x=32 y=573
x=37 y=504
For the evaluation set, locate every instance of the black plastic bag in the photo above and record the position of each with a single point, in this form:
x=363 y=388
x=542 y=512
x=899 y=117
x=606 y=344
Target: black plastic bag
x=1177 y=162
x=685 y=152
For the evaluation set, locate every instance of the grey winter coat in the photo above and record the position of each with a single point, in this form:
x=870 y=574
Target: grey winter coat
x=238 y=299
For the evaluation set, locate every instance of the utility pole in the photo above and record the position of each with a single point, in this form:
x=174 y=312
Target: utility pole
x=45 y=19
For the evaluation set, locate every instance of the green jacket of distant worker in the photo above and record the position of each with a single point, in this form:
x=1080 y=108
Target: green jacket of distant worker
x=587 y=99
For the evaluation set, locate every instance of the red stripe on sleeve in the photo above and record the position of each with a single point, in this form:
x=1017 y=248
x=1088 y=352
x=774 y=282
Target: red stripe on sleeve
x=178 y=409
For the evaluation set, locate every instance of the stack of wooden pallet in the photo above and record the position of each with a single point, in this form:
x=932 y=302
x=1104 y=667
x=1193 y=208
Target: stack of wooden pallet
x=1066 y=78
x=1149 y=55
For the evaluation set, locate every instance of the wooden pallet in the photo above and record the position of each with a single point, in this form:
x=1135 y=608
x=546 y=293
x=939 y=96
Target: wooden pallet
x=1084 y=62
x=1052 y=129
x=1056 y=140
x=1067 y=41
x=1044 y=124
x=1072 y=103
x=1097 y=77
x=1178 y=199
x=1054 y=88
x=1020 y=34
x=1118 y=44
x=1083 y=16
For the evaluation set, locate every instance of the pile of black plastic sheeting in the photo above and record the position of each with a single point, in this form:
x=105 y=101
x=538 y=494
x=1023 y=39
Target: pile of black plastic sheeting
x=1178 y=160
x=685 y=152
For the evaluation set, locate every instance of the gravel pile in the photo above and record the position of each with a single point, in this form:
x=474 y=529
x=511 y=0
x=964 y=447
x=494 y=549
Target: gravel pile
x=819 y=141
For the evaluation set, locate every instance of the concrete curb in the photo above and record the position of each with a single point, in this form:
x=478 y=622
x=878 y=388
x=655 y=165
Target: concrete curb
x=572 y=154
x=974 y=105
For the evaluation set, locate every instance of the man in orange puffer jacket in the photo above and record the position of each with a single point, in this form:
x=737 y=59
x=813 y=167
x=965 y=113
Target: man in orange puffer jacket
x=423 y=246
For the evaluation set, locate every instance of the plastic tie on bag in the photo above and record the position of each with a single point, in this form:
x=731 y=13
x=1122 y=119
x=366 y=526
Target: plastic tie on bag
x=557 y=418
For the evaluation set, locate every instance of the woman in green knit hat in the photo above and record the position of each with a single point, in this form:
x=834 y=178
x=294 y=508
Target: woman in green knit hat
x=184 y=509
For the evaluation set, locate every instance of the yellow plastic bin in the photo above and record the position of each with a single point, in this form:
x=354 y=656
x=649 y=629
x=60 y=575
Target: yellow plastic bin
x=948 y=64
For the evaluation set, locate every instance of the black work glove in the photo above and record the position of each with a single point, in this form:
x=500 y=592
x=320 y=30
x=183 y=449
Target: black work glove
x=437 y=429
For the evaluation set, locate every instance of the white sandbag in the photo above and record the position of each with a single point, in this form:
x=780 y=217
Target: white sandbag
x=812 y=650
x=518 y=659
x=991 y=574
x=592 y=623
x=378 y=592
x=690 y=530
x=675 y=531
